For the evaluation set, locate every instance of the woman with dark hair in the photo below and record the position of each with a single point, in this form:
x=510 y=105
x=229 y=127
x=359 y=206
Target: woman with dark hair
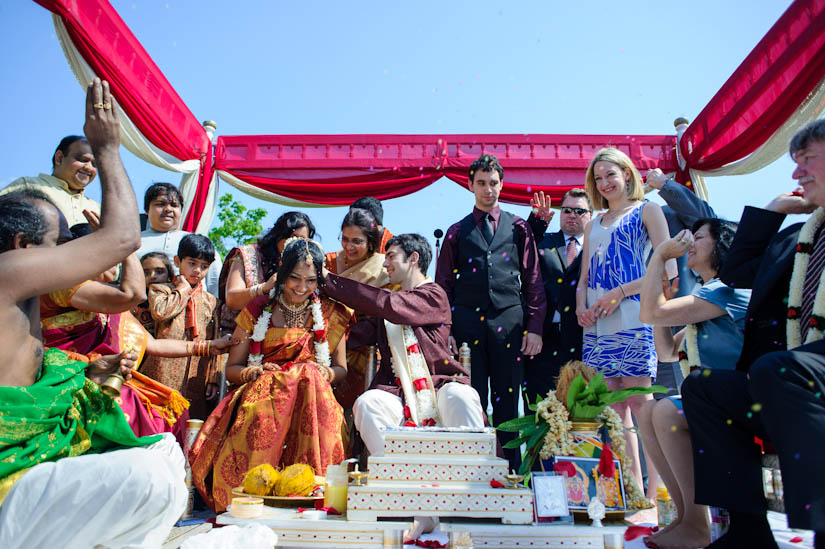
x=249 y=270
x=712 y=339
x=292 y=348
x=358 y=260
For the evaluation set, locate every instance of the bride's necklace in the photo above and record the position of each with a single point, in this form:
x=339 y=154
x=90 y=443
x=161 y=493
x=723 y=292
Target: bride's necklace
x=293 y=314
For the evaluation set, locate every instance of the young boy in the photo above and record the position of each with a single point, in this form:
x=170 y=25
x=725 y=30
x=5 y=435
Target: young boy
x=185 y=310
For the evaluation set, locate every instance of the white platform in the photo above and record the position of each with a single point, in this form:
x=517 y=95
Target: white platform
x=294 y=531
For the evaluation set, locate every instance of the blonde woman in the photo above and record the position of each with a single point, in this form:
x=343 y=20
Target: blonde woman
x=616 y=245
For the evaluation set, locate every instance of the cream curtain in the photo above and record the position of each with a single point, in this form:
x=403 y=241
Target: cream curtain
x=133 y=140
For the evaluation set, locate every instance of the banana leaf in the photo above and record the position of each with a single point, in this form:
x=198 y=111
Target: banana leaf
x=516 y=425
x=623 y=394
x=535 y=443
x=524 y=437
x=576 y=387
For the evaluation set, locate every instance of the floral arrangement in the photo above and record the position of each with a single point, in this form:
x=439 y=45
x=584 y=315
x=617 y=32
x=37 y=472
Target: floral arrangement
x=548 y=432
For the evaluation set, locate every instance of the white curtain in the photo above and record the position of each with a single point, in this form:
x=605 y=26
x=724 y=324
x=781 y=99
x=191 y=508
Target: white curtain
x=245 y=187
x=777 y=145
x=133 y=140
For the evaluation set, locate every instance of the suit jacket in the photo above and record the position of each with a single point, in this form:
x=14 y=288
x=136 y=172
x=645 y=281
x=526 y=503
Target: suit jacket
x=560 y=282
x=761 y=258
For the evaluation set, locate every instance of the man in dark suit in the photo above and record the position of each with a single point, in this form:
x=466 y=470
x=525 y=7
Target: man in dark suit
x=560 y=262
x=776 y=391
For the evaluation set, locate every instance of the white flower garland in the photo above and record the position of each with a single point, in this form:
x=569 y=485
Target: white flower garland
x=319 y=326
x=258 y=335
x=804 y=249
x=319 y=329
x=424 y=402
x=558 y=441
x=689 y=351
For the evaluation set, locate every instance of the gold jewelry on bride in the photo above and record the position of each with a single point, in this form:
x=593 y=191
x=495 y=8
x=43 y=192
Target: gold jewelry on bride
x=293 y=314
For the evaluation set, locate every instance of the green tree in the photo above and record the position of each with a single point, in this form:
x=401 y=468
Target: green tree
x=239 y=224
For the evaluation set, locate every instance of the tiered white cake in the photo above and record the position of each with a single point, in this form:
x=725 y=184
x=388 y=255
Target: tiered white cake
x=441 y=472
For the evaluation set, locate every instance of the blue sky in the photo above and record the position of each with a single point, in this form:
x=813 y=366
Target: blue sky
x=271 y=67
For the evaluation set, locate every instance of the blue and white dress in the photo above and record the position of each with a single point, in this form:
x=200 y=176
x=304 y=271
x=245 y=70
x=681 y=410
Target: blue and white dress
x=618 y=345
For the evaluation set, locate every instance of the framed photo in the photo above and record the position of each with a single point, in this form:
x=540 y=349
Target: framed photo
x=549 y=496
x=586 y=483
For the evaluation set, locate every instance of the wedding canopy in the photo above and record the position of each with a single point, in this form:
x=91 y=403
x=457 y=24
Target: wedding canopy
x=744 y=127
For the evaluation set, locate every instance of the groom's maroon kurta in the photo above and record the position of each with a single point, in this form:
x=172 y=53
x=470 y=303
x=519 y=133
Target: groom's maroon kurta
x=425 y=308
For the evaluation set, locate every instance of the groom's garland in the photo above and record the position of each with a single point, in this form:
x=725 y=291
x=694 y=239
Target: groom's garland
x=424 y=401
x=804 y=249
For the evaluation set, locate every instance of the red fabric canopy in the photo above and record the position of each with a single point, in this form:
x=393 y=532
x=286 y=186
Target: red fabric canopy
x=147 y=98
x=338 y=169
x=142 y=91
x=760 y=96
x=763 y=92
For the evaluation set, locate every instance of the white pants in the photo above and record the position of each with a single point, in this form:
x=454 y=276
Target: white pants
x=124 y=498
x=458 y=406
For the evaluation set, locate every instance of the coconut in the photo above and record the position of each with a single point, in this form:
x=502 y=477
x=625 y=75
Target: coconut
x=296 y=480
x=260 y=480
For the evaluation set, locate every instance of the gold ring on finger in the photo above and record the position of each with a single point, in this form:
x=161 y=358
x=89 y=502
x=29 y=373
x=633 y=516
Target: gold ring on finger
x=107 y=106
x=98 y=105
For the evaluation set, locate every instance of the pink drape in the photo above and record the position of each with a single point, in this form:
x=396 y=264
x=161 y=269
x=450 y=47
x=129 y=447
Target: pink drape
x=337 y=169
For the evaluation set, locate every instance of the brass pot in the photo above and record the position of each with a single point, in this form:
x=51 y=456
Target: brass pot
x=585 y=425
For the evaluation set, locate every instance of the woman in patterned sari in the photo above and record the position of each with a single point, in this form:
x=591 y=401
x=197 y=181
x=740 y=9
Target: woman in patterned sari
x=291 y=350
x=249 y=270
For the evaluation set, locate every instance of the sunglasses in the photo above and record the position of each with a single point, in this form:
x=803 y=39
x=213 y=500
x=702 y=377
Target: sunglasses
x=577 y=211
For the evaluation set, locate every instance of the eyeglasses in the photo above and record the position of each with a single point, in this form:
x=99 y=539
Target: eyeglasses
x=577 y=211
x=357 y=242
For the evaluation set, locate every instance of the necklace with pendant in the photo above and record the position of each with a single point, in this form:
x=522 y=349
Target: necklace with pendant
x=293 y=314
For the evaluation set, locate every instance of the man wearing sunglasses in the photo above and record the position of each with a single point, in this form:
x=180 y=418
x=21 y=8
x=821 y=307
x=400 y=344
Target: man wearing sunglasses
x=560 y=263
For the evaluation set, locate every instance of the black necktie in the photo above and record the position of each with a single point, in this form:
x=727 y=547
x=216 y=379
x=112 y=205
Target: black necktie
x=487 y=228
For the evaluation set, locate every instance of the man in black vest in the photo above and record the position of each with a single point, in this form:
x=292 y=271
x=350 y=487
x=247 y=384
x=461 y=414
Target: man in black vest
x=560 y=262
x=489 y=268
x=776 y=391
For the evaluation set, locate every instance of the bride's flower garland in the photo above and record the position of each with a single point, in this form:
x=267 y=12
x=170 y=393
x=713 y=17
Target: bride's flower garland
x=559 y=442
x=689 y=350
x=319 y=329
x=426 y=408
x=804 y=249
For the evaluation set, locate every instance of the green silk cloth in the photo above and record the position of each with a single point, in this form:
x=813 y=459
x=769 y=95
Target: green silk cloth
x=62 y=414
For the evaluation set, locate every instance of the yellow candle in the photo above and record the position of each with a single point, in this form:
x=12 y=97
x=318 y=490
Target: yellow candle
x=335 y=496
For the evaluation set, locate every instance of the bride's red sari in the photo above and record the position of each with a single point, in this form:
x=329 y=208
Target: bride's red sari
x=281 y=418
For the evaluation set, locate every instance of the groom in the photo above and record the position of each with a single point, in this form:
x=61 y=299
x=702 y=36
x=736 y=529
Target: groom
x=423 y=306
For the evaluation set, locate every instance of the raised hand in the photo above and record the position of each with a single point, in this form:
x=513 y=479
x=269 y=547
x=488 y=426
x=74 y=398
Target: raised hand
x=102 y=126
x=656 y=179
x=541 y=206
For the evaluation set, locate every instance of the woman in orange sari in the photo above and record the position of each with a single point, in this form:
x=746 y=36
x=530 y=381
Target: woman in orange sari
x=291 y=350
